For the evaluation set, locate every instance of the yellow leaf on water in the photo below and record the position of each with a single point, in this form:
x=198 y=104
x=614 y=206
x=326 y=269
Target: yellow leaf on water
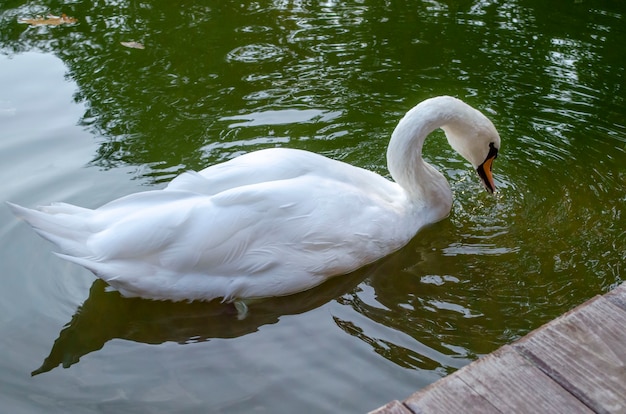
x=133 y=45
x=49 y=20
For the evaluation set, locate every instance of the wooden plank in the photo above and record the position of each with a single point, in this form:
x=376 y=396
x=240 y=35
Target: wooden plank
x=511 y=383
x=449 y=395
x=501 y=382
x=618 y=296
x=393 y=407
x=574 y=364
x=584 y=351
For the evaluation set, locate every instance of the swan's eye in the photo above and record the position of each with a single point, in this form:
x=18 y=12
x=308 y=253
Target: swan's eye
x=493 y=151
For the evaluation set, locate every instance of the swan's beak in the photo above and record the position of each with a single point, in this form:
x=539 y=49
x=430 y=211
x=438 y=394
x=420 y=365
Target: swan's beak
x=484 y=172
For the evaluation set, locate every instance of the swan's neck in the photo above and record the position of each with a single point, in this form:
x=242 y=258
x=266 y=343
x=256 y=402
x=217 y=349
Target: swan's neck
x=425 y=186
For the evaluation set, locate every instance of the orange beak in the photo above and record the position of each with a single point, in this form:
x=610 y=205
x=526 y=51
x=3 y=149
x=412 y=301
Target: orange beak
x=484 y=171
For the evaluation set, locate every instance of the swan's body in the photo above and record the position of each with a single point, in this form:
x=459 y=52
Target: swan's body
x=271 y=222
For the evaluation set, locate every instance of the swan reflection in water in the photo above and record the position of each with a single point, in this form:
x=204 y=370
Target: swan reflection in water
x=107 y=315
x=393 y=293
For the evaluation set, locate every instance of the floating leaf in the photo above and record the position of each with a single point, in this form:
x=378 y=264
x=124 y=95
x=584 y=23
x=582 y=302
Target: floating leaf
x=50 y=20
x=133 y=45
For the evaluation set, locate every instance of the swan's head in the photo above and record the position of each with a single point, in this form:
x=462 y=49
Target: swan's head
x=473 y=136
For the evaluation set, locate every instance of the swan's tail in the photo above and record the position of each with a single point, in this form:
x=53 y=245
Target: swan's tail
x=63 y=224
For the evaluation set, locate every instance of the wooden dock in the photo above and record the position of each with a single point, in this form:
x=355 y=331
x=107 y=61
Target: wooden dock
x=574 y=364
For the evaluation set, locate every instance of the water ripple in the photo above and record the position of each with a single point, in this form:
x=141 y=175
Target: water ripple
x=255 y=53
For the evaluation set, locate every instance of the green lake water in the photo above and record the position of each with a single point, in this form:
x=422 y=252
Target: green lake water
x=85 y=119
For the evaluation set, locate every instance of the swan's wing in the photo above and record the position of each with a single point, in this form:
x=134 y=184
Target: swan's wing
x=280 y=164
x=260 y=239
x=252 y=168
x=270 y=223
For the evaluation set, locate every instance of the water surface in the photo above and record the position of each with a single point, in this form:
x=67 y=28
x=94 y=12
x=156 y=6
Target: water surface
x=84 y=119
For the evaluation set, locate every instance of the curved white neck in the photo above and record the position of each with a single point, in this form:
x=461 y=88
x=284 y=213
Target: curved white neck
x=423 y=183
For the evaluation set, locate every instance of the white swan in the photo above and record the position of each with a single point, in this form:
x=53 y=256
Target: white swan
x=272 y=222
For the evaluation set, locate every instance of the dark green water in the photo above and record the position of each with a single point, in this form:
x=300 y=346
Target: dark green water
x=84 y=119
